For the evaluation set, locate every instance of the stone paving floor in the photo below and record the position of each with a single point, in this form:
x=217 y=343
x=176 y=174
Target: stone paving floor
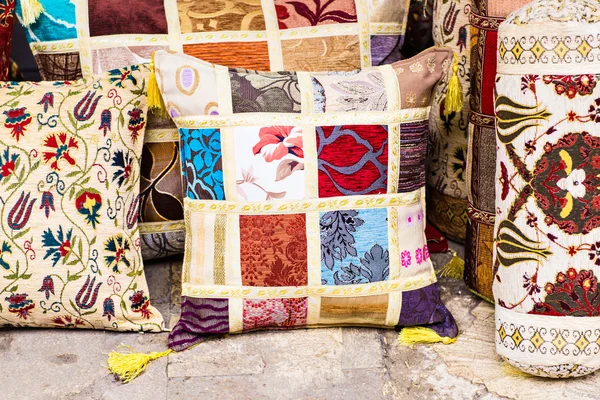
x=303 y=364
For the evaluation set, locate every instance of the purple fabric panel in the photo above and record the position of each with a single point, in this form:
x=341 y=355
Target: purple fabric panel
x=413 y=154
x=385 y=49
x=200 y=320
x=113 y=17
x=424 y=307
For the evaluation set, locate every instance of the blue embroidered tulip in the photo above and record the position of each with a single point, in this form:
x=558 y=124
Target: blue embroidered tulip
x=124 y=163
x=47 y=101
x=109 y=308
x=20 y=213
x=5 y=249
x=462 y=38
x=105 y=119
x=86 y=107
x=47 y=203
x=47 y=286
x=87 y=295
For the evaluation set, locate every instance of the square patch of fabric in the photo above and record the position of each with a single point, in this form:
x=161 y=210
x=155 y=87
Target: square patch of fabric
x=269 y=163
x=201 y=160
x=275 y=92
x=353 y=160
x=112 y=17
x=70 y=254
x=274 y=313
x=273 y=250
x=215 y=16
x=295 y=14
x=354 y=248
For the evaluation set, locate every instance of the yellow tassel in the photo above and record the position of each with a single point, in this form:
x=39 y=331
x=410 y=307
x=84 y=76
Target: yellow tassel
x=511 y=370
x=419 y=335
x=30 y=11
x=155 y=100
x=454 y=94
x=455 y=269
x=129 y=366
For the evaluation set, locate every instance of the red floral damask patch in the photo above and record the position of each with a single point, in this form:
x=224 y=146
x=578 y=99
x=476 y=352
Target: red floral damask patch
x=273 y=250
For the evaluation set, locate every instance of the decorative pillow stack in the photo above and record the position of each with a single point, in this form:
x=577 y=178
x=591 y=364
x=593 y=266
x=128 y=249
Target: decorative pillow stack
x=69 y=183
x=304 y=196
x=7 y=17
x=447 y=169
x=92 y=36
x=485 y=17
x=548 y=188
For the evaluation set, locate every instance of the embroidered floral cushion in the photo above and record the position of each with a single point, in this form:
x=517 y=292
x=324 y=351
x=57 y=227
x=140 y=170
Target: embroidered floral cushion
x=449 y=130
x=485 y=17
x=548 y=188
x=69 y=183
x=304 y=196
x=87 y=37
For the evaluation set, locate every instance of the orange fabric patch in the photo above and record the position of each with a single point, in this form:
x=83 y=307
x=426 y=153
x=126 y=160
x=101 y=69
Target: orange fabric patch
x=247 y=55
x=334 y=53
x=273 y=250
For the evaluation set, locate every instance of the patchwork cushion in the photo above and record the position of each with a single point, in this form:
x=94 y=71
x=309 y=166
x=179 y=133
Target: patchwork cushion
x=7 y=17
x=485 y=17
x=447 y=172
x=304 y=196
x=88 y=37
x=548 y=188
x=69 y=182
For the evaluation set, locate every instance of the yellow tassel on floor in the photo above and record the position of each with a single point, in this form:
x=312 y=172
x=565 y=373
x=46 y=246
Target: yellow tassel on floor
x=511 y=370
x=455 y=269
x=155 y=100
x=30 y=11
x=129 y=366
x=420 y=335
x=454 y=94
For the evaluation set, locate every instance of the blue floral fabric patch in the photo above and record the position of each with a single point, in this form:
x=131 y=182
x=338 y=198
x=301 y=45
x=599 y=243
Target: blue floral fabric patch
x=201 y=160
x=354 y=248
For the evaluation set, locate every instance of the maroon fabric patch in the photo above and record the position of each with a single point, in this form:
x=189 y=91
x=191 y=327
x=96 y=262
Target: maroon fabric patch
x=352 y=160
x=117 y=17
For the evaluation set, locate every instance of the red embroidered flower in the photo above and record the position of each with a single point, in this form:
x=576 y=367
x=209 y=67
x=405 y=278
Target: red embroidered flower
x=136 y=123
x=17 y=119
x=61 y=147
x=278 y=141
x=140 y=303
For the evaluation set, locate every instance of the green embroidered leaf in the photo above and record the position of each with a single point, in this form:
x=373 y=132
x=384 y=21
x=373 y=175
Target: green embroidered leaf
x=72 y=119
x=74 y=306
x=121 y=120
x=85 y=126
x=14 y=289
x=26 y=276
x=35 y=166
x=12 y=187
x=71 y=278
x=93 y=241
x=86 y=180
x=123 y=305
x=131 y=274
x=73 y=173
x=514 y=118
x=72 y=263
x=71 y=193
x=80 y=247
x=514 y=247
x=21 y=234
x=11 y=277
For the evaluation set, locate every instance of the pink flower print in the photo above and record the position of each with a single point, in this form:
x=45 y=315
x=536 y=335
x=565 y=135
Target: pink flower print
x=405 y=258
x=419 y=256
x=425 y=253
x=278 y=141
x=410 y=220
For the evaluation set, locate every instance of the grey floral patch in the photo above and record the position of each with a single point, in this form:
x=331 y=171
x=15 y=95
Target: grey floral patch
x=276 y=92
x=375 y=268
x=337 y=241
